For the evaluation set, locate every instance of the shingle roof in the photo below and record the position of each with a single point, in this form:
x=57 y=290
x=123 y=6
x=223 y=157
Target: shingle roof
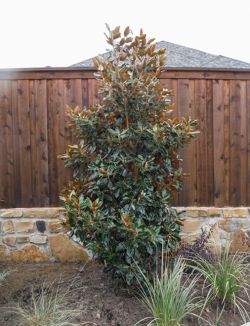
x=179 y=56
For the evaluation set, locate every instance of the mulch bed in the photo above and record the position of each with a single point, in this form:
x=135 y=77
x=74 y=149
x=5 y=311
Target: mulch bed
x=101 y=300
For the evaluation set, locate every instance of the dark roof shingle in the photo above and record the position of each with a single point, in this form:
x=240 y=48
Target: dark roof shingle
x=179 y=56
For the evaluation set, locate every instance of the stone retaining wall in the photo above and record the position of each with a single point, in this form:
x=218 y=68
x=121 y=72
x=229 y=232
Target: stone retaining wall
x=231 y=226
x=37 y=235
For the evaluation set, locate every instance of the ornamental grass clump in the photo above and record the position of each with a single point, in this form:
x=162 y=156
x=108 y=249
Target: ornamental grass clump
x=3 y=276
x=126 y=162
x=227 y=279
x=47 y=308
x=171 y=296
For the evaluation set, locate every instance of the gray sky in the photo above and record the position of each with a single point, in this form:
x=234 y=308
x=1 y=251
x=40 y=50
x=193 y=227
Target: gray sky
x=38 y=33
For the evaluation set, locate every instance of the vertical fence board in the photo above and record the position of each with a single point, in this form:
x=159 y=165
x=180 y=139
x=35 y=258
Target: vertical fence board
x=186 y=95
x=93 y=95
x=23 y=127
x=9 y=143
x=171 y=84
x=238 y=143
x=53 y=134
x=33 y=142
x=226 y=171
x=42 y=141
x=3 y=144
x=201 y=143
x=72 y=97
x=209 y=144
x=39 y=142
x=16 y=157
x=85 y=92
x=218 y=145
x=57 y=143
x=243 y=143
x=234 y=142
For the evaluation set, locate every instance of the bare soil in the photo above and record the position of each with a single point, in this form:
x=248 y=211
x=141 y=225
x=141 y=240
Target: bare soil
x=101 y=301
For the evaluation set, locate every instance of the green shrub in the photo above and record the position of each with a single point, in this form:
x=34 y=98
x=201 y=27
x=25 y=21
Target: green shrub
x=171 y=296
x=126 y=162
x=227 y=276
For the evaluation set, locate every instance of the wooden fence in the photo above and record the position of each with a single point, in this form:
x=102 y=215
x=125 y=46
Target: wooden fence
x=34 y=131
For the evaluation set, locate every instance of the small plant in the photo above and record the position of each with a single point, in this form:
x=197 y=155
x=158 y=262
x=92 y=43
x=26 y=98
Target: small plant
x=199 y=247
x=227 y=276
x=171 y=296
x=126 y=162
x=3 y=276
x=47 y=308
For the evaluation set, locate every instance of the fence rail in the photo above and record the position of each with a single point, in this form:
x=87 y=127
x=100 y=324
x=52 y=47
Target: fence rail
x=34 y=131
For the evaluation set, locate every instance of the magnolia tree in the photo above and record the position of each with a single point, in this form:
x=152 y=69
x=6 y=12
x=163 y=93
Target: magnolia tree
x=126 y=162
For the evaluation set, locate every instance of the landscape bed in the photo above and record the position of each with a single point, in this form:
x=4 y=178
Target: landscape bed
x=100 y=300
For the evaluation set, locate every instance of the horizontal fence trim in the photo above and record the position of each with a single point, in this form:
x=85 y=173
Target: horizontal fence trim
x=83 y=73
